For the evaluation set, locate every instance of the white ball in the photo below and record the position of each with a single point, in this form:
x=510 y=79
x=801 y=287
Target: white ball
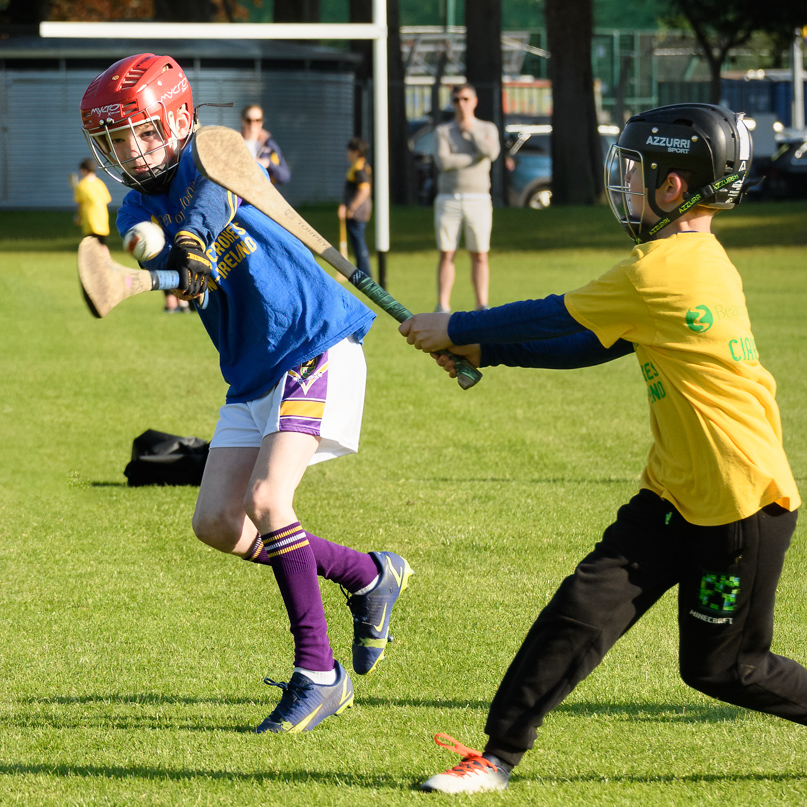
x=144 y=241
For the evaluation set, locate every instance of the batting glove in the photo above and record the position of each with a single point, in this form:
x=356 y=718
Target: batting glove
x=188 y=258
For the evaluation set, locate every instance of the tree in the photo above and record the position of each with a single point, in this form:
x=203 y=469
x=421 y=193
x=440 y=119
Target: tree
x=362 y=11
x=401 y=188
x=297 y=10
x=483 y=69
x=24 y=12
x=718 y=27
x=184 y=11
x=576 y=150
x=721 y=26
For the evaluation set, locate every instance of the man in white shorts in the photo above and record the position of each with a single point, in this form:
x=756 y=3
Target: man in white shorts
x=466 y=148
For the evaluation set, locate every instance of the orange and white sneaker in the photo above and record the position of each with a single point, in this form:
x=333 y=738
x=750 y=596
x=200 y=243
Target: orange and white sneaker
x=476 y=772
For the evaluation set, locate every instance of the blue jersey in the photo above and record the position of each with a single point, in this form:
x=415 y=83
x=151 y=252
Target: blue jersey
x=272 y=306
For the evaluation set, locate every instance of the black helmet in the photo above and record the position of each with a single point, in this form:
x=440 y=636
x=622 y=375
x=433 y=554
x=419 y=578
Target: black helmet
x=710 y=144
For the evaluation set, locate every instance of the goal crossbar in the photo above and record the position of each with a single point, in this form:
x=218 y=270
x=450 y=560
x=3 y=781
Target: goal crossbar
x=375 y=31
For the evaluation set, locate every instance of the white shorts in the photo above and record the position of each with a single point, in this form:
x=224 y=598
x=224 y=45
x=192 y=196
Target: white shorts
x=471 y=211
x=323 y=397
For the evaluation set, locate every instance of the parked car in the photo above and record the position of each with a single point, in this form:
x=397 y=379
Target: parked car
x=783 y=175
x=529 y=162
x=527 y=157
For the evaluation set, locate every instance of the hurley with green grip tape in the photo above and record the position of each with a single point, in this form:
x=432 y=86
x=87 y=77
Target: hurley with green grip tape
x=223 y=157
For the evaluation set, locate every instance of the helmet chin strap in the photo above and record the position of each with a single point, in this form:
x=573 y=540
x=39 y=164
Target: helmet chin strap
x=703 y=196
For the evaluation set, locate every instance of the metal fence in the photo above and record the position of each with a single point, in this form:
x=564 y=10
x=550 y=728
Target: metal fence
x=310 y=114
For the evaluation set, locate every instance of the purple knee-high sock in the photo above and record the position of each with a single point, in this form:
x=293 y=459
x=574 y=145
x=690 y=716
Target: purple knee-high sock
x=349 y=568
x=292 y=559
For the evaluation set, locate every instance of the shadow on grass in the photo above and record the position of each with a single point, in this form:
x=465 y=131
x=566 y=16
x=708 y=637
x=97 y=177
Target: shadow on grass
x=147 y=773
x=644 y=712
x=452 y=480
x=647 y=712
x=138 y=699
x=654 y=712
x=543 y=480
x=670 y=778
x=155 y=699
x=346 y=778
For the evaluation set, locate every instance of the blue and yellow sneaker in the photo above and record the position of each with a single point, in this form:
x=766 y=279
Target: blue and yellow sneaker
x=371 y=611
x=305 y=704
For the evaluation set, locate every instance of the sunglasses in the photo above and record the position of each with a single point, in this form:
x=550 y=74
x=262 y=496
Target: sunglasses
x=253 y=120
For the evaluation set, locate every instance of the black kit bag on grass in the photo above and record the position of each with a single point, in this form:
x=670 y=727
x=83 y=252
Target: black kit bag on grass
x=166 y=459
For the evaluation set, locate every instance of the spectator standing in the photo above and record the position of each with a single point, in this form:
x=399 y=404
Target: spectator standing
x=263 y=146
x=357 y=204
x=466 y=148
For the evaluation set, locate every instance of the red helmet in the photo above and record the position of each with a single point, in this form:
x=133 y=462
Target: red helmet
x=139 y=89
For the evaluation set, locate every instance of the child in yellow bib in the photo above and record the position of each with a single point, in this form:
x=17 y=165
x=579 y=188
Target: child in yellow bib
x=717 y=503
x=92 y=198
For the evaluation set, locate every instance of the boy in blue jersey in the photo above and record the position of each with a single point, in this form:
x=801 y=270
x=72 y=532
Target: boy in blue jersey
x=289 y=340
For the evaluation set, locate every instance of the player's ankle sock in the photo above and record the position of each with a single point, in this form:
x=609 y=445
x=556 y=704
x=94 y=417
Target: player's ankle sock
x=343 y=565
x=322 y=678
x=257 y=553
x=295 y=568
x=499 y=763
x=350 y=568
x=367 y=589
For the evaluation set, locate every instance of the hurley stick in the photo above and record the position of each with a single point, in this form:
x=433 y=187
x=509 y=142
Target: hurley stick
x=342 y=238
x=222 y=156
x=106 y=283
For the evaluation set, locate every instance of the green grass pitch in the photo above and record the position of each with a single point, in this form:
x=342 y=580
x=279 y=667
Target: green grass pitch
x=132 y=657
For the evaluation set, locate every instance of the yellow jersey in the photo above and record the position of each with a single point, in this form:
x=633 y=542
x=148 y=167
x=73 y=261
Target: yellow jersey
x=717 y=454
x=92 y=196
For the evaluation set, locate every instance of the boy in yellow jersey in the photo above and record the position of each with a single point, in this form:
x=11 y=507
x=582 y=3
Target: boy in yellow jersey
x=92 y=198
x=717 y=502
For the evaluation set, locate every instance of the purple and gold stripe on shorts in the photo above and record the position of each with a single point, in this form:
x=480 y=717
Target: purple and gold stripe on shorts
x=304 y=393
x=294 y=537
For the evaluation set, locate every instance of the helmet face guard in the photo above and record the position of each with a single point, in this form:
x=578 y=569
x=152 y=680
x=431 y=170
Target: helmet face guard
x=143 y=92
x=708 y=146
x=123 y=170
x=625 y=187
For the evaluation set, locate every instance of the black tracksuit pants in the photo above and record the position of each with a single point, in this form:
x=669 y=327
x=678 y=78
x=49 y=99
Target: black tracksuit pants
x=726 y=578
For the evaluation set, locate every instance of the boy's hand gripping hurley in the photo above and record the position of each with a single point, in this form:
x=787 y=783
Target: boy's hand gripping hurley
x=106 y=283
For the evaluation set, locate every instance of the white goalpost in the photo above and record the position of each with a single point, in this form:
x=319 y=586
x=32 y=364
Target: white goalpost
x=375 y=31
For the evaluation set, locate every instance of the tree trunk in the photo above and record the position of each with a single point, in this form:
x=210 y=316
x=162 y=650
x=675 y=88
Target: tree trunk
x=483 y=69
x=297 y=11
x=577 y=157
x=361 y=11
x=714 y=58
x=184 y=11
x=24 y=12
x=401 y=187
